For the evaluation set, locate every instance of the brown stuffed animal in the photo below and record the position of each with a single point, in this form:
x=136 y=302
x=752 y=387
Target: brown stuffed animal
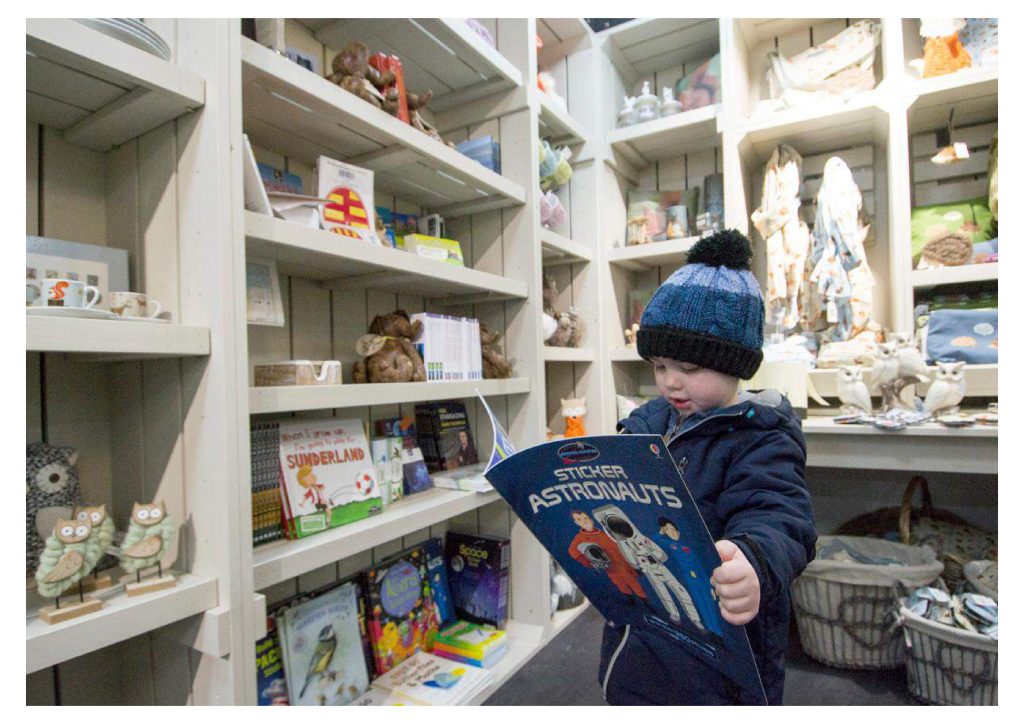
x=496 y=367
x=353 y=72
x=389 y=351
x=417 y=101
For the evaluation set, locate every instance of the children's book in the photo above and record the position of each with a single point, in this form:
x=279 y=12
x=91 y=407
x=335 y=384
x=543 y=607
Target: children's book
x=445 y=436
x=350 y=190
x=387 y=461
x=414 y=469
x=615 y=512
x=324 y=660
x=471 y=643
x=440 y=592
x=274 y=179
x=271 y=688
x=478 y=569
x=434 y=681
x=400 y=611
x=327 y=475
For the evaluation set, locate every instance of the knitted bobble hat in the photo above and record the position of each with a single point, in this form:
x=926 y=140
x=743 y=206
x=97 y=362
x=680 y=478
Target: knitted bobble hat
x=710 y=312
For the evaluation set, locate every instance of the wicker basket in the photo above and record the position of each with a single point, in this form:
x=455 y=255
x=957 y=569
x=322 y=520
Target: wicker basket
x=845 y=610
x=983 y=577
x=954 y=539
x=947 y=665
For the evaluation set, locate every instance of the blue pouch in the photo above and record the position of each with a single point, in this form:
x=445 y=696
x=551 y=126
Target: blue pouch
x=970 y=335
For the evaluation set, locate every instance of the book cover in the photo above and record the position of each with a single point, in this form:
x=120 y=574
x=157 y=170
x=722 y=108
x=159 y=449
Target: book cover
x=271 y=688
x=274 y=179
x=434 y=681
x=400 y=611
x=327 y=475
x=387 y=460
x=471 y=639
x=478 y=568
x=440 y=592
x=350 y=190
x=325 y=664
x=615 y=512
x=415 y=475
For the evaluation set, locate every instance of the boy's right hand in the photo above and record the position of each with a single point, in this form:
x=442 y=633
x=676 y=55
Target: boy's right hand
x=736 y=583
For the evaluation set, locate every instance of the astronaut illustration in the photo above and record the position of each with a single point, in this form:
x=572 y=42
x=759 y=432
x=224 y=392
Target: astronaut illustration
x=647 y=557
x=594 y=549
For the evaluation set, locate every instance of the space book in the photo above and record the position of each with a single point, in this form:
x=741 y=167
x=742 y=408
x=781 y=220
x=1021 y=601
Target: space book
x=616 y=514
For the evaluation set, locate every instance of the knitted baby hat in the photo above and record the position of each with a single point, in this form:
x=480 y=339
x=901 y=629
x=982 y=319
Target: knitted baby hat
x=710 y=311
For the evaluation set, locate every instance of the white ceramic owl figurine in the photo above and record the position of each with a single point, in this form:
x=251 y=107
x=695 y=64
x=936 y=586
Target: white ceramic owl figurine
x=947 y=389
x=149 y=534
x=886 y=367
x=70 y=555
x=911 y=363
x=853 y=393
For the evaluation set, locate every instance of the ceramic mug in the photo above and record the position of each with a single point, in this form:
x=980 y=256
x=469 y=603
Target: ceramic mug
x=133 y=304
x=68 y=293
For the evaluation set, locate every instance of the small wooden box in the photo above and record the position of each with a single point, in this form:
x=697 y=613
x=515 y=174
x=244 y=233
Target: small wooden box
x=299 y=372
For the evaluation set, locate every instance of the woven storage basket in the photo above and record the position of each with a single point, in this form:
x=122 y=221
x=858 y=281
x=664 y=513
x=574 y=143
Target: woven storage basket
x=983 y=577
x=947 y=665
x=954 y=539
x=845 y=610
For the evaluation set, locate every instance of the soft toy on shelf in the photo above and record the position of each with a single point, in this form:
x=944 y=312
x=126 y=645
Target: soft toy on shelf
x=353 y=72
x=555 y=170
x=561 y=329
x=552 y=213
x=389 y=351
x=573 y=411
x=943 y=51
x=496 y=367
x=417 y=102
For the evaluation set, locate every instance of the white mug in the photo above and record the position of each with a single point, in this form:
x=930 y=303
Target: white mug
x=133 y=304
x=68 y=293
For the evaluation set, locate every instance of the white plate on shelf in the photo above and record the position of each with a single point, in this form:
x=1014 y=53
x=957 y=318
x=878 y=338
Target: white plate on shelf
x=151 y=320
x=130 y=32
x=70 y=312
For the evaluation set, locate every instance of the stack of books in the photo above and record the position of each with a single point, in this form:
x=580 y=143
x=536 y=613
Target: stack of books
x=266 y=472
x=484 y=150
x=450 y=347
x=471 y=643
x=442 y=430
x=427 y=680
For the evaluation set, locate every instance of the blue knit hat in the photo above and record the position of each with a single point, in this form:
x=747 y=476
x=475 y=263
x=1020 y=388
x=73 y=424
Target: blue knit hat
x=709 y=312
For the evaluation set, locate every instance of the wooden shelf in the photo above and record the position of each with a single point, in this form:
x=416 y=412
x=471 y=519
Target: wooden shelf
x=978 y=85
x=556 y=124
x=644 y=143
x=323 y=256
x=281 y=560
x=295 y=112
x=625 y=354
x=443 y=54
x=645 y=45
x=121 y=618
x=982 y=381
x=955 y=275
x=115 y=338
x=553 y=31
x=568 y=354
x=263 y=400
x=642 y=257
x=558 y=249
x=100 y=91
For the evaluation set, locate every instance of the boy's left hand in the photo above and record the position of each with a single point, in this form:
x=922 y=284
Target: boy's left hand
x=735 y=582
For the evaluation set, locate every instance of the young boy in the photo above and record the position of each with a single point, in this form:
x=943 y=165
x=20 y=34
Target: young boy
x=742 y=456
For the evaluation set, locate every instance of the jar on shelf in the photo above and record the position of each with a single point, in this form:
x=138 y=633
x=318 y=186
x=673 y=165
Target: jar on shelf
x=646 y=104
x=669 y=105
x=627 y=116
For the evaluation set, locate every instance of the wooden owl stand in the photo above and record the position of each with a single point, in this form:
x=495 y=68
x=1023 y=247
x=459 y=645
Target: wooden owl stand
x=147 y=540
x=71 y=553
x=103 y=531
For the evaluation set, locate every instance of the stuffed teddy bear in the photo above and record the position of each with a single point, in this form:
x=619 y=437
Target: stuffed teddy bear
x=389 y=351
x=353 y=72
x=560 y=329
x=418 y=101
x=496 y=367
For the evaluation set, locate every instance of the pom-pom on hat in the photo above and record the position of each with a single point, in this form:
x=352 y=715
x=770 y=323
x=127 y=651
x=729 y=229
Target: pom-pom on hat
x=710 y=312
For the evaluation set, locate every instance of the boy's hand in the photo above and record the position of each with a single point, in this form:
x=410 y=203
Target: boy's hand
x=735 y=582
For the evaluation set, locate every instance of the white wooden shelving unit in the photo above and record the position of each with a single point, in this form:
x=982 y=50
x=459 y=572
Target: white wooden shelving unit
x=131 y=151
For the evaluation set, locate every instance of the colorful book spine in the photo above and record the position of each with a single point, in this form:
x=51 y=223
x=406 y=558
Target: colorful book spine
x=486 y=662
x=265 y=477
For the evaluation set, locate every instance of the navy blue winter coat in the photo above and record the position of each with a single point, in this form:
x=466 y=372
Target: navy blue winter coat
x=744 y=465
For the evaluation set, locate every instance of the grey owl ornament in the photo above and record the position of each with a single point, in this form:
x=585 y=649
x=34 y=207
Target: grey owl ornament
x=852 y=391
x=51 y=492
x=948 y=388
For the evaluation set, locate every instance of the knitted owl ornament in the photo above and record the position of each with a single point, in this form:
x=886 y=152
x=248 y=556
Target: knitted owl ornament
x=710 y=312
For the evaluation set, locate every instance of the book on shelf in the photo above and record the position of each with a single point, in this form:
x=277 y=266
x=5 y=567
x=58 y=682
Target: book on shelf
x=396 y=225
x=478 y=575
x=400 y=610
x=470 y=479
x=415 y=475
x=444 y=435
x=271 y=687
x=471 y=643
x=265 y=469
x=350 y=192
x=440 y=592
x=387 y=461
x=433 y=681
x=323 y=651
x=450 y=347
x=327 y=475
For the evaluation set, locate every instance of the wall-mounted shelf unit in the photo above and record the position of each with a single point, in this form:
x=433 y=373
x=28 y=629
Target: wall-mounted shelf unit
x=954 y=275
x=643 y=257
x=556 y=125
x=644 y=143
x=115 y=338
x=568 y=354
x=557 y=249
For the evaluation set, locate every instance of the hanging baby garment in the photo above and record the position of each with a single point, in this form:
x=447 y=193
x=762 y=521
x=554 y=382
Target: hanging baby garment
x=787 y=239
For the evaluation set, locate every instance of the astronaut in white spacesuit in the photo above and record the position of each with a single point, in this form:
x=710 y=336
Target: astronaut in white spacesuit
x=647 y=557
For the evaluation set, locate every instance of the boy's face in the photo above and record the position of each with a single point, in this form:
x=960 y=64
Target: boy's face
x=689 y=388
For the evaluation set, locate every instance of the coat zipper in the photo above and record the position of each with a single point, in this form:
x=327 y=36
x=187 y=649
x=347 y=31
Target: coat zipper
x=611 y=663
x=707 y=419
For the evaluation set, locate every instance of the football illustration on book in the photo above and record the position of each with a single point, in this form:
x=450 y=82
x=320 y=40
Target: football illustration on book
x=327 y=475
x=616 y=514
x=401 y=618
x=350 y=190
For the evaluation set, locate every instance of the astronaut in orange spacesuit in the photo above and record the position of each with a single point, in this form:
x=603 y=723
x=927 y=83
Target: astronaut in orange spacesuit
x=593 y=548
